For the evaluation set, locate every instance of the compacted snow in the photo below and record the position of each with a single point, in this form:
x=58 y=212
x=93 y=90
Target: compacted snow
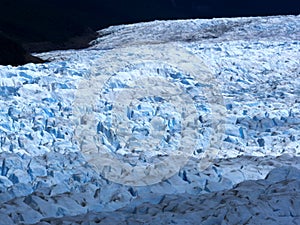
x=168 y=122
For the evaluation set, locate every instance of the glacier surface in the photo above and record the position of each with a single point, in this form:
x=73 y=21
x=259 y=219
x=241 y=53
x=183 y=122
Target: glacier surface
x=227 y=87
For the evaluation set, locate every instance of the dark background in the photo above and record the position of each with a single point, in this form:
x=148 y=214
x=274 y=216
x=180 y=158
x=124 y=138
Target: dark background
x=43 y=25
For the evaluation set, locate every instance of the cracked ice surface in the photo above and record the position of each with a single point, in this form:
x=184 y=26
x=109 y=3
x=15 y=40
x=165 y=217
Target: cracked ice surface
x=44 y=176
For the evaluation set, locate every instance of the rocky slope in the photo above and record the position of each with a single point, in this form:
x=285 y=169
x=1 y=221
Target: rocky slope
x=11 y=53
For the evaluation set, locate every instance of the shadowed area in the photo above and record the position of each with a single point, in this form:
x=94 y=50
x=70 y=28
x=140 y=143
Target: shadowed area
x=14 y=54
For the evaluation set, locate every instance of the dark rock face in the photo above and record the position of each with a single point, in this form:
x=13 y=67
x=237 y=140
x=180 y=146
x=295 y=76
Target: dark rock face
x=11 y=53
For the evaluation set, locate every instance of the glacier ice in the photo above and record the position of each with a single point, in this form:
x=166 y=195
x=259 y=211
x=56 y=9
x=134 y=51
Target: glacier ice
x=46 y=178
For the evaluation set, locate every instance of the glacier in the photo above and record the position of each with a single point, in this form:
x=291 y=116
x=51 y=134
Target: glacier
x=165 y=122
